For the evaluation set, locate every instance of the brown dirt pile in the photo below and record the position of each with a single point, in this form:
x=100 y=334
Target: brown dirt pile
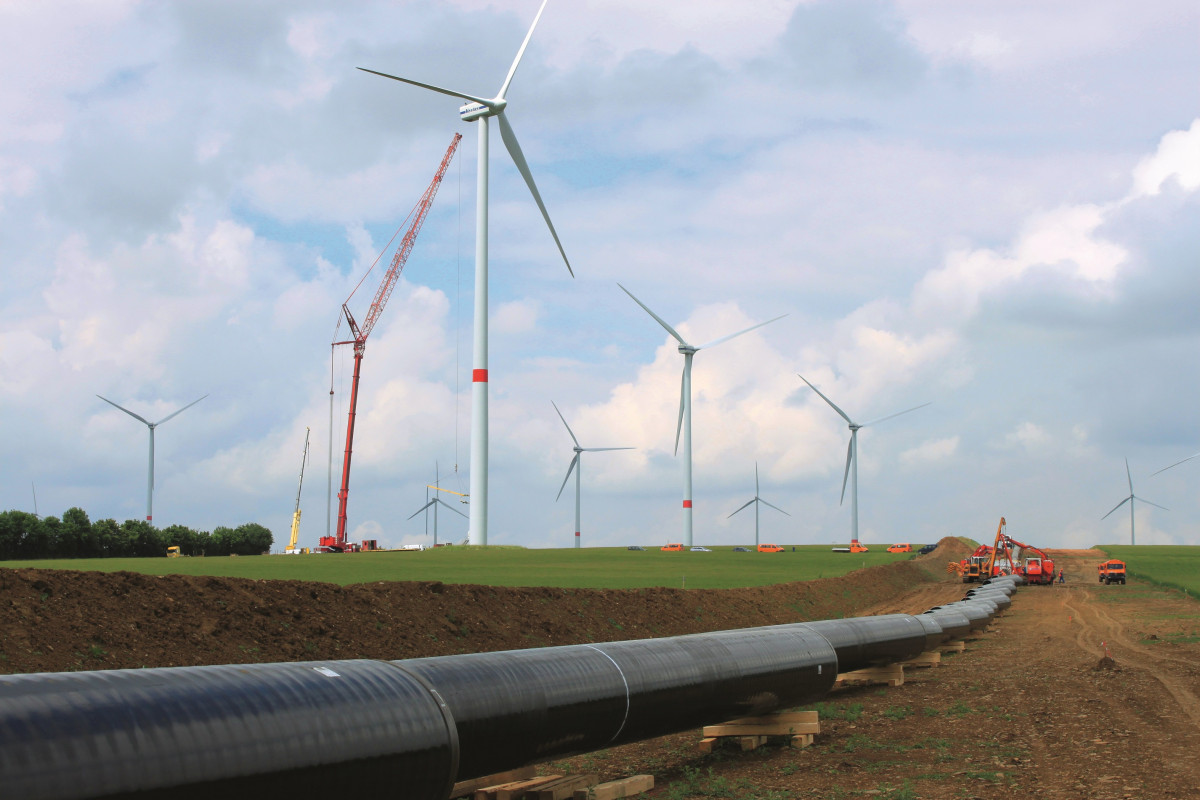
x=66 y=620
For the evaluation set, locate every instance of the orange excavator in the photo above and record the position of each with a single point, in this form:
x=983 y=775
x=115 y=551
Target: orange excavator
x=981 y=564
x=1037 y=568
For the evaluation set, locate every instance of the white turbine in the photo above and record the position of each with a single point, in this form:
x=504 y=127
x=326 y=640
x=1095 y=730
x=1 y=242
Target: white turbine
x=577 y=465
x=756 y=502
x=684 y=425
x=852 y=456
x=151 y=426
x=434 y=503
x=479 y=109
x=1132 y=497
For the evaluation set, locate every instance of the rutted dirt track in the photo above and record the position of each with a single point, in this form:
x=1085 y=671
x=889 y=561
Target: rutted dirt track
x=1029 y=710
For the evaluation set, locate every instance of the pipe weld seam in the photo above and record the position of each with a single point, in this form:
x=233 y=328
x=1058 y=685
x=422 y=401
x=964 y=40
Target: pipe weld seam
x=620 y=672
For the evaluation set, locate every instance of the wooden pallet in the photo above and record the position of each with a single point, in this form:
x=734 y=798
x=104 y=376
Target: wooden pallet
x=930 y=658
x=468 y=788
x=514 y=790
x=957 y=646
x=753 y=732
x=613 y=790
x=891 y=675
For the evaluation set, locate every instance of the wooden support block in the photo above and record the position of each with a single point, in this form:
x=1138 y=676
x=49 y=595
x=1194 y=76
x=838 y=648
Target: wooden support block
x=614 y=790
x=930 y=658
x=785 y=724
x=954 y=647
x=467 y=788
x=564 y=788
x=802 y=741
x=519 y=789
x=892 y=675
x=707 y=744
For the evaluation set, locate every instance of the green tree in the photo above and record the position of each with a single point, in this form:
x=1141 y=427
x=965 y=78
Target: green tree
x=183 y=537
x=142 y=538
x=220 y=542
x=14 y=527
x=252 y=539
x=108 y=538
x=76 y=539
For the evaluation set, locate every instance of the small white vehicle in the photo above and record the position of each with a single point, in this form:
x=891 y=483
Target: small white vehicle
x=699 y=549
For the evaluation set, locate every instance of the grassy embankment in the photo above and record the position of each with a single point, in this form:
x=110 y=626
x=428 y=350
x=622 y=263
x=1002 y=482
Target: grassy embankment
x=1174 y=566
x=598 y=568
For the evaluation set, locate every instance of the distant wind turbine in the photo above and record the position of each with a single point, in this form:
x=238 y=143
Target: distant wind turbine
x=685 y=404
x=435 y=502
x=756 y=501
x=1132 y=497
x=851 y=472
x=577 y=465
x=151 y=426
x=479 y=109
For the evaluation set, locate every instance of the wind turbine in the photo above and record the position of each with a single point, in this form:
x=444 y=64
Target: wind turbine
x=576 y=462
x=435 y=502
x=479 y=109
x=684 y=425
x=1132 y=497
x=1176 y=464
x=151 y=426
x=852 y=456
x=756 y=502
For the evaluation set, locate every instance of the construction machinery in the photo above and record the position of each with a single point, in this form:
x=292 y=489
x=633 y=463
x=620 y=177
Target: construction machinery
x=1112 y=571
x=338 y=542
x=173 y=552
x=291 y=548
x=1038 y=568
x=980 y=564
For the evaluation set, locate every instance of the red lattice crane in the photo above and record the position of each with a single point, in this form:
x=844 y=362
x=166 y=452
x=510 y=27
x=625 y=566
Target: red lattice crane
x=338 y=543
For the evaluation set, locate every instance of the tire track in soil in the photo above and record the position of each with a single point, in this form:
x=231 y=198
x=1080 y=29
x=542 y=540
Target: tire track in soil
x=1103 y=628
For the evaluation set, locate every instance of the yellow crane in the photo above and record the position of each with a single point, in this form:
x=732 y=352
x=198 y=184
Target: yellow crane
x=291 y=548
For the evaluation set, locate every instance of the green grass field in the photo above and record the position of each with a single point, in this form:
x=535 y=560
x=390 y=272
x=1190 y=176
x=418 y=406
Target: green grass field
x=1177 y=566
x=599 y=568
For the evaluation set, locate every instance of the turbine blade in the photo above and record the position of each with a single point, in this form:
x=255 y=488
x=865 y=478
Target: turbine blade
x=832 y=405
x=756 y=479
x=1147 y=502
x=422 y=508
x=1176 y=464
x=570 y=469
x=849 y=455
x=1118 y=505
x=682 y=400
x=431 y=87
x=177 y=413
x=603 y=449
x=659 y=319
x=452 y=508
x=514 y=150
x=513 y=69
x=564 y=421
x=748 y=502
x=777 y=508
x=126 y=410
x=893 y=416
x=1129 y=476
x=716 y=342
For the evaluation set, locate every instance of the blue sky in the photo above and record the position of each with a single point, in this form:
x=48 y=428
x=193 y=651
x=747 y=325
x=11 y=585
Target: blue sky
x=989 y=205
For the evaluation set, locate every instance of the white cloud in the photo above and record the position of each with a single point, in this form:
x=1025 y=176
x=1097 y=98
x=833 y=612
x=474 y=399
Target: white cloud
x=1177 y=157
x=931 y=451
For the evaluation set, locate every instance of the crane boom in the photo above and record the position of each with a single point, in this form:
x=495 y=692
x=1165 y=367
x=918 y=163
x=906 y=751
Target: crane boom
x=291 y=548
x=338 y=543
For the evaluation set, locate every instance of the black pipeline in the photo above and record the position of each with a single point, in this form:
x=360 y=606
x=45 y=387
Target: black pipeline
x=412 y=728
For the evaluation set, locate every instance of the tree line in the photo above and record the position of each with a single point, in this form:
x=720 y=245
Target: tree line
x=26 y=536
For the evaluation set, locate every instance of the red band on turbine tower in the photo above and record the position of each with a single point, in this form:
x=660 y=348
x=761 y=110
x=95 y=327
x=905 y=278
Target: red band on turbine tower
x=687 y=503
x=479 y=376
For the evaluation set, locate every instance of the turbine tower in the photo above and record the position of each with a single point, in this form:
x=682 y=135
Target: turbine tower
x=435 y=502
x=852 y=456
x=577 y=462
x=684 y=425
x=480 y=109
x=756 y=501
x=151 y=426
x=1132 y=497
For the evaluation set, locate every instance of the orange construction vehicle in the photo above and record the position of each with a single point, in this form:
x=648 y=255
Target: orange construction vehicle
x=1037 y=569
x=982 y=563
x=1112 y=571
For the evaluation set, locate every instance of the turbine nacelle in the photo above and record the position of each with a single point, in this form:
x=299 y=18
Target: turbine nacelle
x=473 y=111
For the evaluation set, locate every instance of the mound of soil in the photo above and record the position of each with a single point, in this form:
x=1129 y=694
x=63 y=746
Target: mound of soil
x=59 y=620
